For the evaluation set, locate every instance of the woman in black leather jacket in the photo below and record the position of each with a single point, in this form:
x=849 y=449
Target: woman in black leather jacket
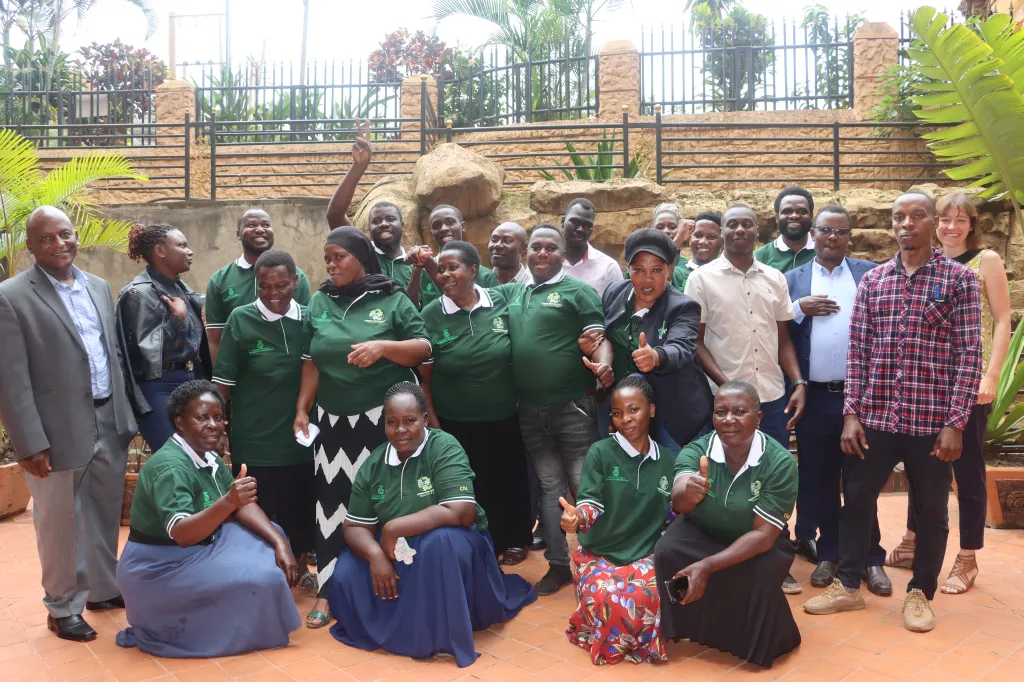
x=160 y=328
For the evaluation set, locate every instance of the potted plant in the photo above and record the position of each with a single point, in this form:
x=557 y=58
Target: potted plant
x=14 y=495
x=138 y=453
x=1004 y=458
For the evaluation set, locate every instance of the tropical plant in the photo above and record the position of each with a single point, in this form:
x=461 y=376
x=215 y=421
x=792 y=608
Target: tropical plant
x=736 y=56
x=978 y=81
x=600 y=167
x=833 y=74
x=716 y=8
x=898 y=87
x=402 y=54
x=119 y=67
x=1005 y=416
x=24 y=186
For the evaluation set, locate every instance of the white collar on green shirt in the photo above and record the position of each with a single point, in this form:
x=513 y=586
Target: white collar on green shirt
x=781 y=244
x=391 y=456
x=207 y=461
x=292 y=314
x=652 y=451
x=242 y=263
x=401 y=253
x=717 y=452
x=554 y=280
x=449 y=306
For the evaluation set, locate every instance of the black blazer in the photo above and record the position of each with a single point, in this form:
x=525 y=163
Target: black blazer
x=680 y=385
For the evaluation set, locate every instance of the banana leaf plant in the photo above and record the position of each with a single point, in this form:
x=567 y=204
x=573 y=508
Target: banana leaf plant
x=1003 y=422
x=599 y=168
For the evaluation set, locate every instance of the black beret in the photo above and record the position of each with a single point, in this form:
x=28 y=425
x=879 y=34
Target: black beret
x=652 y=241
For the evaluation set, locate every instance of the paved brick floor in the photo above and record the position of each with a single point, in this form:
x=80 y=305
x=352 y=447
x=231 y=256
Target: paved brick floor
x=979 y=636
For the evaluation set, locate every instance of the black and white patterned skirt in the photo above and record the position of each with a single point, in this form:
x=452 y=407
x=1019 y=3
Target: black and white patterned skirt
x=341 y=448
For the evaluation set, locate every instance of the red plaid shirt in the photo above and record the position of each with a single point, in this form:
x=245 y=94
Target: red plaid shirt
x=914 y=361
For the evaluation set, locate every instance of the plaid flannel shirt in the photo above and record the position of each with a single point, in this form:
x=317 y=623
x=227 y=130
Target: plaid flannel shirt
x=914 y=362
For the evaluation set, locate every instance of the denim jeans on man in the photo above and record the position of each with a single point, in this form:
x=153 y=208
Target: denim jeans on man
x=774 y=420
x=557 y=438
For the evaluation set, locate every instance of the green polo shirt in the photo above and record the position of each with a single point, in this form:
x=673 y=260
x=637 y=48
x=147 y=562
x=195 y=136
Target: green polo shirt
x=397 y=269
x=176 y=483
x=784 y=260
x=429 y=291
x=472 y=358
x=234 y=285
x=436 y=473
x=260 y=358
x=679 y=275
x=632 y=492
x=765 y=485
x=624 y=335
x=335 y=324
x=546 y=321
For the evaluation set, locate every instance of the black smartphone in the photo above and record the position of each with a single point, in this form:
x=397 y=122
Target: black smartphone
x=676 y=588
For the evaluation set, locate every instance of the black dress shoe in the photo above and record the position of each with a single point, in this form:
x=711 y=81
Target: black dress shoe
x=106 y=605
x=71 y=627
x=808 y=549
x=555 y=579
x=878 y=582
x=538 y=540
x=824 y=574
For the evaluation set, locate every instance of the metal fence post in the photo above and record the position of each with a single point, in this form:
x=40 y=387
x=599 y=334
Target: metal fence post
x=529 y=89
x=423 y=117
x=213 y=155
x=657 y=141
x=188 y=157
x=448 y=130
x=835 y=155
x=625 y=141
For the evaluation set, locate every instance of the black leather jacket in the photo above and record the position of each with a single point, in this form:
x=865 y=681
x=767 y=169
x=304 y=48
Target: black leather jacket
x=140 y=318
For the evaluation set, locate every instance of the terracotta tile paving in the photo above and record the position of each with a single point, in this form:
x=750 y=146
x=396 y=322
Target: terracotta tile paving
x=980 y=636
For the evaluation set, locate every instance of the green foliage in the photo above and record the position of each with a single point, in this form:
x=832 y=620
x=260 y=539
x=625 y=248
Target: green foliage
x=832 y=62
x=898 y=85
x=1005 y=417
x=600 y=167
x=24 y=186
x=735 y=62
x=469 y=96
x=402 y=54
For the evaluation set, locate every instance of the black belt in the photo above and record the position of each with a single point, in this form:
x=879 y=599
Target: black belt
x=100 y=402
x=830 y=386
x=143 y=539
x=188 y=366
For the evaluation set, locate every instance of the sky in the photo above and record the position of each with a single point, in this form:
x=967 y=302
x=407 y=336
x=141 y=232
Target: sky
x=350 y=29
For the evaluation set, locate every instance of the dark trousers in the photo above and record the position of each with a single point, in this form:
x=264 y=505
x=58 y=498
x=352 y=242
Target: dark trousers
x=774 y=420
x=971 y=486
x=156 y=427
x=822 y=475
x=865 y=479
x=287 y=495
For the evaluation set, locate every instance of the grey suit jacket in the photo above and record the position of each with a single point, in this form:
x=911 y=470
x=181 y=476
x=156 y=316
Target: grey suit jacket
x=46 y=398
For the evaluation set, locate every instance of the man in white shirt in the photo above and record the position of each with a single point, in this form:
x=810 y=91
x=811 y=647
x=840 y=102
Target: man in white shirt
x=582 y=260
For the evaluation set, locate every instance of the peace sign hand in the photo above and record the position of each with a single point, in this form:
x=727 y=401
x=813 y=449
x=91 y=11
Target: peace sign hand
x=645 y=357
x=362 y=150
x=602 y=371
x=570 y=517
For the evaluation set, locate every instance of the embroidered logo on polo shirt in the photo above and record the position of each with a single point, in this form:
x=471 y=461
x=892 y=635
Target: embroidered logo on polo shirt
x=663 y=486
x=379 y=495
x=446 y=337
x=231 y=294
x=376 y=316
x=499 y=326
x=661 y=331
x=425 y=485
x=429 y=287
x=260 y=348
x=554 y=300
x=206 y=500
x=321 y=318
x=755 y=491
x=616 y=476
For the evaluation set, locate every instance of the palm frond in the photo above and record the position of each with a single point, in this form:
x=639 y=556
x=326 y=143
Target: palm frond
x=19 y=164
x=68 y=180
x=97 y=231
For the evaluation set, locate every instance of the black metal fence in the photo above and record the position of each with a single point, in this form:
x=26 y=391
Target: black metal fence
x=754 y=66
x=72 y=110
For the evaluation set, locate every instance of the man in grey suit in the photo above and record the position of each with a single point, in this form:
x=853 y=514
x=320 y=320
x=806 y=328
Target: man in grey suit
x=63 y=403
x=823 y=291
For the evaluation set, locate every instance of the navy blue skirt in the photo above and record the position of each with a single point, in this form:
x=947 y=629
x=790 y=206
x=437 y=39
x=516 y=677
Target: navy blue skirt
x=453 y=587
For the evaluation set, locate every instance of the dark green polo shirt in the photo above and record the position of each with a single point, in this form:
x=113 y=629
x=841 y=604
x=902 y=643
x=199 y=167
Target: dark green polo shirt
x=386 y=488
x=624 y=335
x=430 y=292
x=261 y=360
x=472 y=359
x=546 y=321
x=784 y=260
x=233 y=286
x=335 y=324
x=175 y=484
x=632 y=492
x=766 y=485
x=397 y=269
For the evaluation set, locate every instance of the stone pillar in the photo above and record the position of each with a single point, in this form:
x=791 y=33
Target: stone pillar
x=618 y=79
x=411 y=98
x=173 y=99
x=876 y=47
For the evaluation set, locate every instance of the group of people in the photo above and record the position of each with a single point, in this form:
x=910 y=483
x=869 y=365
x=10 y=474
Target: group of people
x=648 y=413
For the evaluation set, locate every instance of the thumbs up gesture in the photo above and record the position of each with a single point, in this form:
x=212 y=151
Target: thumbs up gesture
x=704 y=466
x=645 y=357
x=242 y=490
x=570 y=517
x=602 y=371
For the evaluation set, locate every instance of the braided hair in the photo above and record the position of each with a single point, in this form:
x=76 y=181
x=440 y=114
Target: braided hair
x=143 y=239
x=637 y=381
x=407 y=388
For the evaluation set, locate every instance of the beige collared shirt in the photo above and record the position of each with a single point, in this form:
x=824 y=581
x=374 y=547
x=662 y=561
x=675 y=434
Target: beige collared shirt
x=741 y=312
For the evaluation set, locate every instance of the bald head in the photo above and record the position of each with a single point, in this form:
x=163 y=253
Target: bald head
x=507 y=247
x=52 y=240
x=43 y=215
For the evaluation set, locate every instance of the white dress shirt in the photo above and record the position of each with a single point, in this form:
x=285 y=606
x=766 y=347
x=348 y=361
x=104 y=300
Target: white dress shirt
x=595 y=268
x=830 y=334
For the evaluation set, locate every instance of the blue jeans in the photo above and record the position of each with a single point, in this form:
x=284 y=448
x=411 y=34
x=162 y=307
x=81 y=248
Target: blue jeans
x=774 y=419
x=156 y=427
x=557 y=438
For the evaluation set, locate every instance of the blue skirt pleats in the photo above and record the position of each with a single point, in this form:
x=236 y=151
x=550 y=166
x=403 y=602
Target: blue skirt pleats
x=221 y=599
x=453 y=587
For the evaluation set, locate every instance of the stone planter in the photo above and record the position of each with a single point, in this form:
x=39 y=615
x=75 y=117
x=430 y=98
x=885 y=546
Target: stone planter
x=1005 y=497
x=14 y=494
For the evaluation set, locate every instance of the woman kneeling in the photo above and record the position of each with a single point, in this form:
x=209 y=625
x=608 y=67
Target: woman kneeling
x=624 y=497
x=721 y=563
x=425 y=534
x=204 y=572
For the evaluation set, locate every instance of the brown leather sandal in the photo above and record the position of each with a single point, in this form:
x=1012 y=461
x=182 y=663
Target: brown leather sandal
x=962 y=576
x=903 y=555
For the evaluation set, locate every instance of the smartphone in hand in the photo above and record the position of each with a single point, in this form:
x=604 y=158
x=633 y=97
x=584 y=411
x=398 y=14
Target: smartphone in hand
x=676 y=589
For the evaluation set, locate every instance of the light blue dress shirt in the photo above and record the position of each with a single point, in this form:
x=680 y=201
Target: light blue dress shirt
x=86 y=318
x=830 y=334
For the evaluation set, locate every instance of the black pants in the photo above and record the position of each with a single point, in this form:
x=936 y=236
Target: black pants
x=287 y=495
x=502 y=488
x=971 y=486
x=865 y=479
x=823 y=475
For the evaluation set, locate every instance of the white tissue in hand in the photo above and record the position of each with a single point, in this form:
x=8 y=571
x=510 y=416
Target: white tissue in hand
x=403 y=552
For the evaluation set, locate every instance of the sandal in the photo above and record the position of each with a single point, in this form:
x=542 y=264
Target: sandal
x=903 y=555
x=514 y=555
x=962 y=576
x=308 y=583
x=317 y=619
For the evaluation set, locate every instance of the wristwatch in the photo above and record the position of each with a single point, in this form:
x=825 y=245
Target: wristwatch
x=799 y=382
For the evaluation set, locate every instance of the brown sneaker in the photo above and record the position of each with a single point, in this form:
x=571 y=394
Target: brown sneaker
x=917 y=613
x=834 y=599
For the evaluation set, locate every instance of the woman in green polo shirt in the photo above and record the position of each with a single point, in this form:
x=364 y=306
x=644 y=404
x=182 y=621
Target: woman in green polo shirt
x=734 y=490
x=362 y=336
x=623 y=502
x=419 y=575
x=472 y=393
x=204 y=572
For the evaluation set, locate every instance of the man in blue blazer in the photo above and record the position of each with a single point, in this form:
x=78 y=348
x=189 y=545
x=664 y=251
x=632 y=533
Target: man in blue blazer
x=823 y=291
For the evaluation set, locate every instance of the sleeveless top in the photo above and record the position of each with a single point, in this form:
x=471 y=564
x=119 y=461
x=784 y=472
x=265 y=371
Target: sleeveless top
x=972 y=259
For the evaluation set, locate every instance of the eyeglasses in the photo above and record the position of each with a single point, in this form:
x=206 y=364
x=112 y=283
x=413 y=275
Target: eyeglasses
x=837 y=231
